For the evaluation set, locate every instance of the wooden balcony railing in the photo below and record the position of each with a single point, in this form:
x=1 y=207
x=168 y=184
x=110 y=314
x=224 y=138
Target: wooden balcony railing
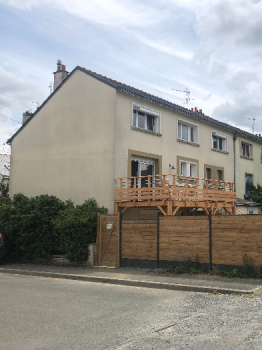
x=181 y=191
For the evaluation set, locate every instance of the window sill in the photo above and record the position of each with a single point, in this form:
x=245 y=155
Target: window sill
x=218 y=150
x=146 y=131
x=189 y=142
x=248 y=158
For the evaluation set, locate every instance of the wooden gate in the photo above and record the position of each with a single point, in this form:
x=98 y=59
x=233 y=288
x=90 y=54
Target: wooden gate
x=107 y=241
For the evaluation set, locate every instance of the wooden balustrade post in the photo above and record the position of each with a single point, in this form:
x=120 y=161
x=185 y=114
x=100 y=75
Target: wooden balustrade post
x=149 y=185
x=134 y=189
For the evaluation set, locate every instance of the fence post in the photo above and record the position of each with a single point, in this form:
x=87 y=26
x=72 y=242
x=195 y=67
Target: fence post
x=120 y=238
x=210 y=240
x=157 y=241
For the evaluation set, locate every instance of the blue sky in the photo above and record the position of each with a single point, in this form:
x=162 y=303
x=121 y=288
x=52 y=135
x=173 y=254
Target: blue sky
x=212 y=47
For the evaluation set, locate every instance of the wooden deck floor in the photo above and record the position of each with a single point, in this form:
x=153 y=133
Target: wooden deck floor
x=169 y=193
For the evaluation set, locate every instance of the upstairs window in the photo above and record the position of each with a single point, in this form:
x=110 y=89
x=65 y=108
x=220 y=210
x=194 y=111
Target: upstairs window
x=187 y=131
x=146 y=119
x=219 y=141
x=246 y=150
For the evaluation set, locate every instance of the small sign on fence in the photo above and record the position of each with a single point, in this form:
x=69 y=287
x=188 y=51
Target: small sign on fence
x=109 y=225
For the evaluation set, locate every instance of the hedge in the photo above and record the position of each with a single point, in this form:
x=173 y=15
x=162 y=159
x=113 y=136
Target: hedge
x=41 y=226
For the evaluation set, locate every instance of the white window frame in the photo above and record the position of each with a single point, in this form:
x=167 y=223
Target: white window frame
x=190 y=126
x=224 y=138
x=250 y=150
x=148 y=161
x=147 y=111
x=188 y=168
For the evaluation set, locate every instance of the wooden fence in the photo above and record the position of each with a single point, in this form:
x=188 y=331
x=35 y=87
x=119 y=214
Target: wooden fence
x=217 y=240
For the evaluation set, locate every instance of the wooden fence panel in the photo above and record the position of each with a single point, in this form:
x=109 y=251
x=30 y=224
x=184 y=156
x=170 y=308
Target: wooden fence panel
x=235 y=235
x=180 y=238
x=139 y=239
x=183 y=237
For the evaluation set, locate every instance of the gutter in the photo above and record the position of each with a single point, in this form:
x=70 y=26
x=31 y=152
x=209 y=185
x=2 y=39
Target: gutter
x=234 y=151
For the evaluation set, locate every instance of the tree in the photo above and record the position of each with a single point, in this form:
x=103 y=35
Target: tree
x=4 y=189
x=255 y=193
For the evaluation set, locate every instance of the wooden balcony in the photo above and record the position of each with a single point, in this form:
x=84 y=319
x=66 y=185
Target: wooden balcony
x=169 y=193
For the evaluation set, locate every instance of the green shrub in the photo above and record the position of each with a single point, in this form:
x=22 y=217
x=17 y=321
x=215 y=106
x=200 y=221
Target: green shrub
x=28 y=224
x=76 y=228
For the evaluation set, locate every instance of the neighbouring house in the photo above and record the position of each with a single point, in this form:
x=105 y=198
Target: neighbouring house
x=93 y=129
x=248 y=207
x=4 y=167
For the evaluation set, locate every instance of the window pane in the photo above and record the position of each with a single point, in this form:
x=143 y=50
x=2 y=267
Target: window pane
x=183 y=170
x=134 y=171
x=243 y=153
x=146 y=169
x=141 y=120
x=150 y=122
x=184 y=132
x=134 y=118
x=247 y=150
x=192 y=134
x=248 y=180
x=134 y=168
x=179 y=132
x=193 y=170
x=214 y=142
x=220 y=175
x=208 y=173
x=220 y=143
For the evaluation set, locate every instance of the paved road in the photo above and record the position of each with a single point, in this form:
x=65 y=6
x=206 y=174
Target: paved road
x=43 y=313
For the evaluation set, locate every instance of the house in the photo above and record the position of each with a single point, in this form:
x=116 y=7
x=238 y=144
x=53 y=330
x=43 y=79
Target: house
x=248 y=207
x=93 y=129
x=4 y=167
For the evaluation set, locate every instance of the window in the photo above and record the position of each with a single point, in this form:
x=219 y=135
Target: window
x=248 y=180
x=187 y=131
x=251 y=212
x=219 y=141
x=142 y=167
x=208 y=173
x=220 y=176
x=246 y=150
x=188 y=168
x=146 y=118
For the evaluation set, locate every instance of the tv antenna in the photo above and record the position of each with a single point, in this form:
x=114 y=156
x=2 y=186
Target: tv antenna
x=253 y=124
x=37 y=104
x=187 y=96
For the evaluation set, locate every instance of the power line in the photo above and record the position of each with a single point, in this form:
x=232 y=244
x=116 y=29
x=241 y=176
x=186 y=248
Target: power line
x=2 y=115
x=14 y=99
x=13 y=109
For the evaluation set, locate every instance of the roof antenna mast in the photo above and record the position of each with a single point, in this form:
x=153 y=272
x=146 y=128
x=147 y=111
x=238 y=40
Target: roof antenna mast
x=253 y=124
x=187 y=95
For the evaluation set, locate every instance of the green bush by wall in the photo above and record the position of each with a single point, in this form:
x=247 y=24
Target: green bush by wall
x=42 y=226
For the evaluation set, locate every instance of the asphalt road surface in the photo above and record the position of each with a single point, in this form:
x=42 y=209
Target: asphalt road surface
x=47 y=314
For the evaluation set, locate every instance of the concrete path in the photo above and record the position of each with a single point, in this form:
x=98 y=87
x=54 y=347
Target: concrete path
x=138 y=278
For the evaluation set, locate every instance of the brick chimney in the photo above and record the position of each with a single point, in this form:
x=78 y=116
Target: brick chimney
x=60 y=74
x=26 y=116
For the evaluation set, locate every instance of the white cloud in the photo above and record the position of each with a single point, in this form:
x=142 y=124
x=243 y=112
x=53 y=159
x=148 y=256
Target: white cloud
x=213 y=47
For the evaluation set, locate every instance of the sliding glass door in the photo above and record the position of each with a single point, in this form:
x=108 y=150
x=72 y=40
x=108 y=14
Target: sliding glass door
x=142 y=167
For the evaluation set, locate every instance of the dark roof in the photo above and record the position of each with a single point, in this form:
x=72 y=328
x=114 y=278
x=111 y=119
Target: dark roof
x=160 y=101
x=244 y=202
